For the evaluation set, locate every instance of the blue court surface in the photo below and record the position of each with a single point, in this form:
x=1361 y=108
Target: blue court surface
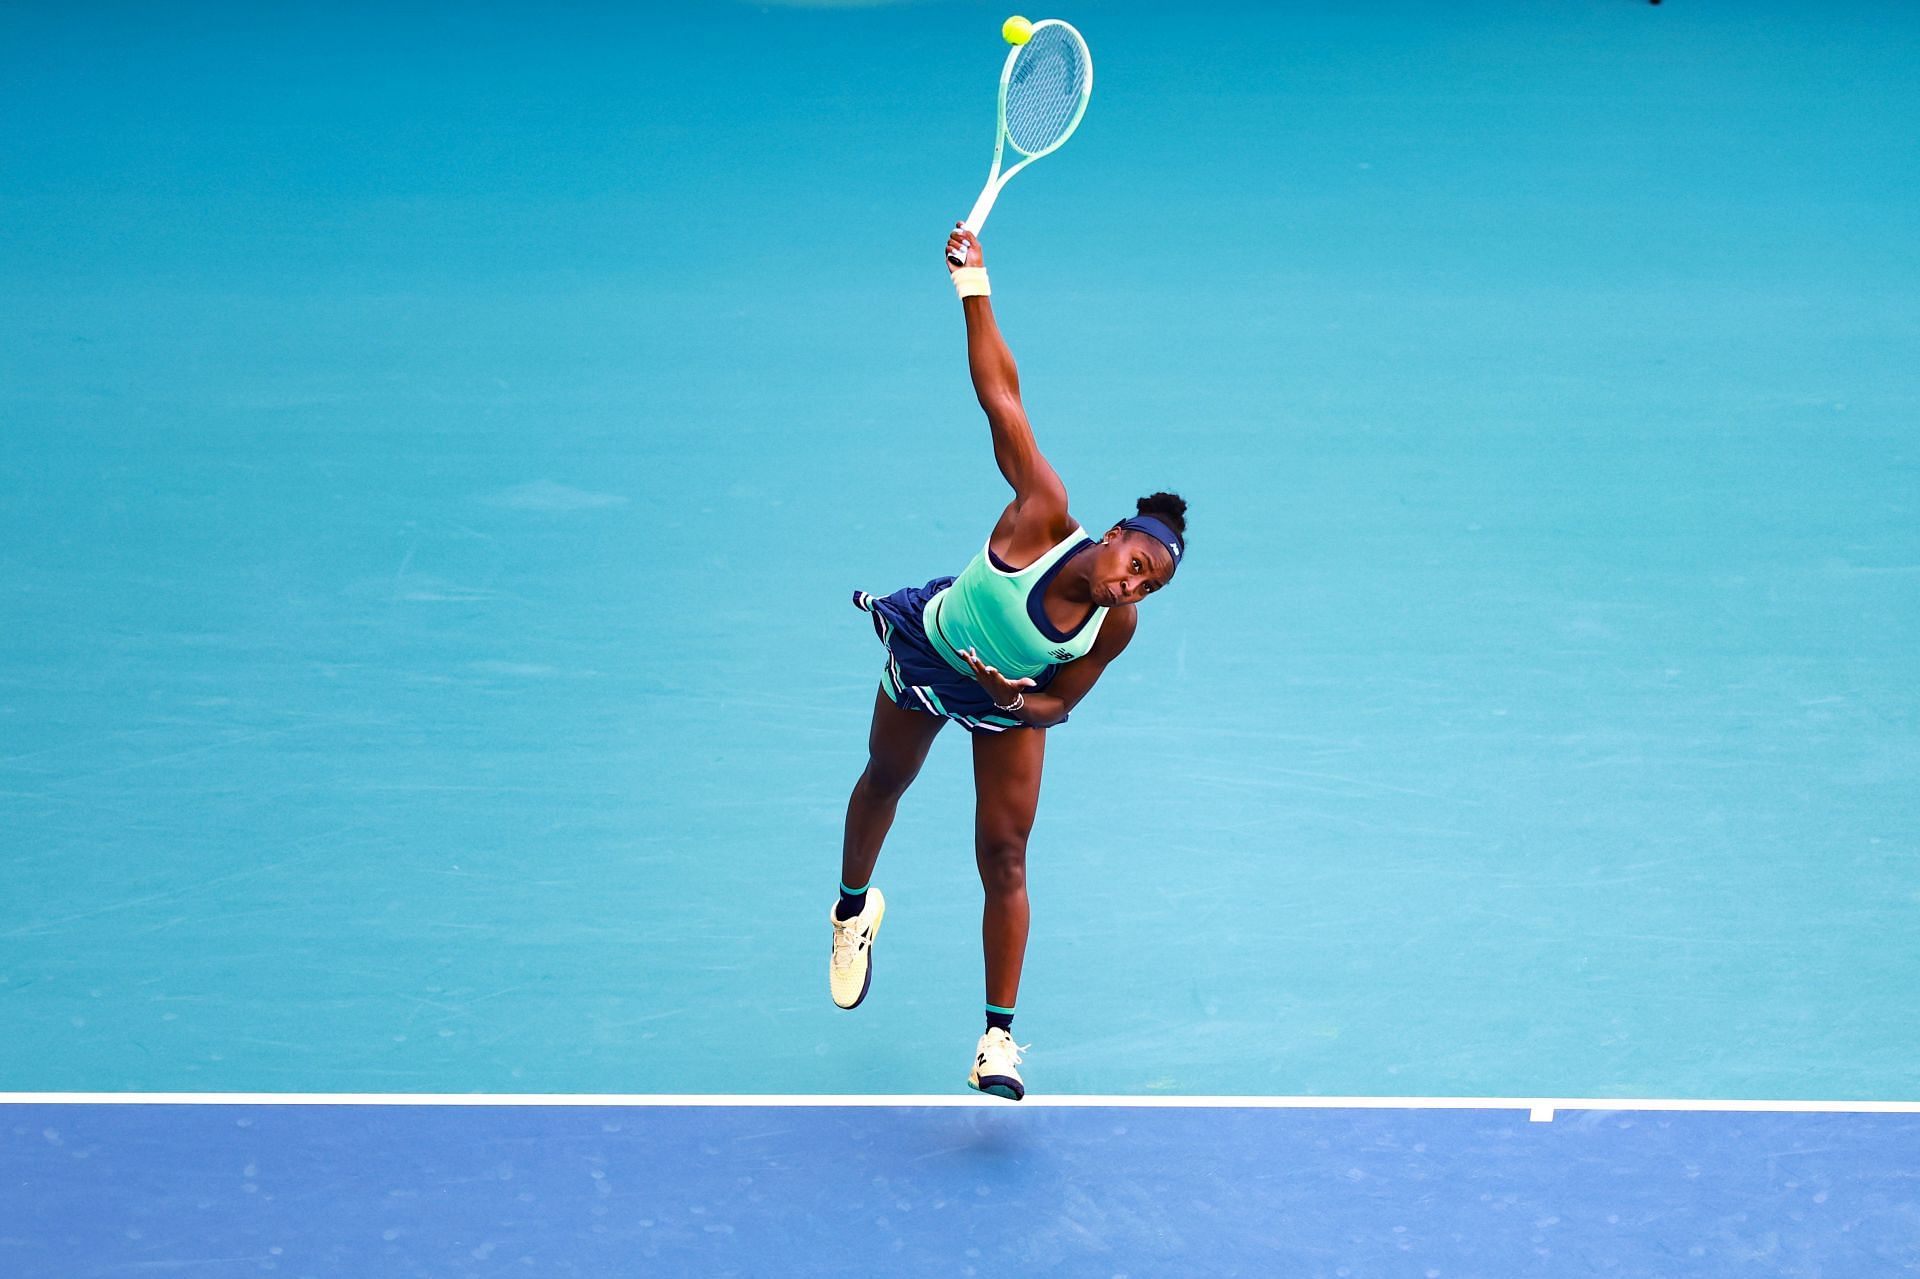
x=437 y=447
x=972 y=1189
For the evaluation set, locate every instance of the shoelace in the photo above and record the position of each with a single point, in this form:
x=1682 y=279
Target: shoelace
x=846 y=941
x=1004 y=1047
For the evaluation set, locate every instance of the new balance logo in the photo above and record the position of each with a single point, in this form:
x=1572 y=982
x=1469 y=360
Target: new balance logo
x=1061 y=655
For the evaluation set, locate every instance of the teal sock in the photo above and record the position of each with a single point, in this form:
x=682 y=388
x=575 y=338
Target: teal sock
x=852 y=901
x=999 y=1018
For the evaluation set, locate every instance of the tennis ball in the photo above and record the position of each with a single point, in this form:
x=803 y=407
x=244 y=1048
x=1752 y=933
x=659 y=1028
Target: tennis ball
x=1016 y=30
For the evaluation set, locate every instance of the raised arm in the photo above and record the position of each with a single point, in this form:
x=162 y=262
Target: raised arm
x=1039 y=507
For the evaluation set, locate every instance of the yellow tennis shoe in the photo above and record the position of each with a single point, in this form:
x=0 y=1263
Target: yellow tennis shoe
x=850 y=969
x=996 y=1065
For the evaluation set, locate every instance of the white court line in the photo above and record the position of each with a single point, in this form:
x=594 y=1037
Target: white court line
x=1539 y=1109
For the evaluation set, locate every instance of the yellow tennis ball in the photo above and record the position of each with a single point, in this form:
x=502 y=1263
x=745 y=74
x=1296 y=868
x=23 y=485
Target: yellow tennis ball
x=1016 y=30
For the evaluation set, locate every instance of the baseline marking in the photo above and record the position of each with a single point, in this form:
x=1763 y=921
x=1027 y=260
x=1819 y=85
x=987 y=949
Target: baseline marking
x=1539 y=1109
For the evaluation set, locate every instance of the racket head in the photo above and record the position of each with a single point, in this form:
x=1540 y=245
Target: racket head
x=1044 y=89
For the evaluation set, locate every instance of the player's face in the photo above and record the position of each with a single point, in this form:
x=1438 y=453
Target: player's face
x=1129 y=566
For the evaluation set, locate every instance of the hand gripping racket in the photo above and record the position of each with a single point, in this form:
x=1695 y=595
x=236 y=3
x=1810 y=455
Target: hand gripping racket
x=1044 y=89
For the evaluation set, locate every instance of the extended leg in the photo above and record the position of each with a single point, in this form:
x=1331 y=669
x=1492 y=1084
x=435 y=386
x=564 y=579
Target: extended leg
x=1006 y=779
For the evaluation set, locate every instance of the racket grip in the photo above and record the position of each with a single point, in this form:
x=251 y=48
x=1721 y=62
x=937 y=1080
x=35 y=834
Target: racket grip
x=960 y=259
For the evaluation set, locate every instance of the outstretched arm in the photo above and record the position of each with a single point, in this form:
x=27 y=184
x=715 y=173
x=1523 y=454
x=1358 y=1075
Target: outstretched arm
x=996 y=381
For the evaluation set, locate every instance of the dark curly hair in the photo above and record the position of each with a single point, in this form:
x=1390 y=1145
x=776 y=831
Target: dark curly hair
x=1170 y=507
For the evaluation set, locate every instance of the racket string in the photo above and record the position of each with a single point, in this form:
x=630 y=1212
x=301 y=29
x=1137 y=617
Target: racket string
x=1045 y=89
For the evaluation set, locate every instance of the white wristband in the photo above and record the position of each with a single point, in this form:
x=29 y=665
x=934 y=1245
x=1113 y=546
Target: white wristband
x=971 y=282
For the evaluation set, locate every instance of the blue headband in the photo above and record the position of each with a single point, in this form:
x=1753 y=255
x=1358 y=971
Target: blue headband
x=1160 y=531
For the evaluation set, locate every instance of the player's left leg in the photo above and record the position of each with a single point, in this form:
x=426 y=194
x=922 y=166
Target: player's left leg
x=1006 y=780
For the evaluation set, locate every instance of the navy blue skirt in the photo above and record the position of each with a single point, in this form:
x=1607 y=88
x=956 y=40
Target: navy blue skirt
x=917 y=677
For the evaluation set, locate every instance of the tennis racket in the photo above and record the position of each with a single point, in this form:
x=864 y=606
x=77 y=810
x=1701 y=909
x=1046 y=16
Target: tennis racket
x=1044 y=89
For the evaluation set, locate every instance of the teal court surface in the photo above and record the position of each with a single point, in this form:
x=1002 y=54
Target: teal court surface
x=436 y=447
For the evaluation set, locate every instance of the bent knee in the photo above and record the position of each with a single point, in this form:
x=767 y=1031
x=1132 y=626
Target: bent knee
x=887 y=781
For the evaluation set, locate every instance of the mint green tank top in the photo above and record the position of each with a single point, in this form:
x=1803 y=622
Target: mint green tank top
x=1000 y=616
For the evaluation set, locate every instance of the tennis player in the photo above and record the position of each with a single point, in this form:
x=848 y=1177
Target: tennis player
x=1006 y=649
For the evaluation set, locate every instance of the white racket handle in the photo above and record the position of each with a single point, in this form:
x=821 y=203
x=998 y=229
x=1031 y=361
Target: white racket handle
x=977 y=216
x=960 y=259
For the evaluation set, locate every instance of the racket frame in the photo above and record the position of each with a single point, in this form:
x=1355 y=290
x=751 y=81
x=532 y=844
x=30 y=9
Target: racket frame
x=996 y=180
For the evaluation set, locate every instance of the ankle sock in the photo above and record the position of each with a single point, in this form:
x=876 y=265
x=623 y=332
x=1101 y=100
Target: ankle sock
x=999 y=1018
x=852 y=901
